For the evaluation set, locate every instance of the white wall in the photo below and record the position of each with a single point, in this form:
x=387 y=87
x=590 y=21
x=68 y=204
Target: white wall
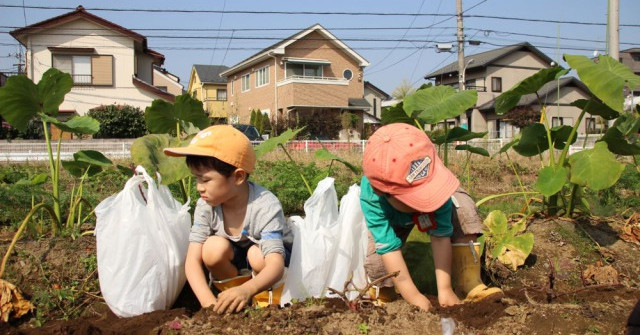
x=105 y=42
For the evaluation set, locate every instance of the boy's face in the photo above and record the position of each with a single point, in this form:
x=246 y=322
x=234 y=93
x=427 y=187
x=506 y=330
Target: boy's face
x=213 y=187
x=395 y=203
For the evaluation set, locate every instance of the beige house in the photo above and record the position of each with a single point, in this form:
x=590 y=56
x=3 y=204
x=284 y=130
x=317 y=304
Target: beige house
x=206 y=85
x=167 y=81
x=497 y=71
x=109 y=64
x=311 y=75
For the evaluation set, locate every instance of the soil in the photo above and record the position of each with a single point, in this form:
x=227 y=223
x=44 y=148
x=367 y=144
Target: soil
x=581 y=278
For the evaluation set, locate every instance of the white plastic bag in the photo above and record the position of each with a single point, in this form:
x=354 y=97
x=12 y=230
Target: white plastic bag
x=329 y=244
x=142 y=236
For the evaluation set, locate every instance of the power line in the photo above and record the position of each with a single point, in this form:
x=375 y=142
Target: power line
x=262 y=12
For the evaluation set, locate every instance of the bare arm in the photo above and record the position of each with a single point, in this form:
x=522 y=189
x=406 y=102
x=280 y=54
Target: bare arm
x=441 y=247
x=196 y=277
x=393 y=261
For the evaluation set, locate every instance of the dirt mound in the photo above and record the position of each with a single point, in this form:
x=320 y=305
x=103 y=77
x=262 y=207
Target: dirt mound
x=581 y=278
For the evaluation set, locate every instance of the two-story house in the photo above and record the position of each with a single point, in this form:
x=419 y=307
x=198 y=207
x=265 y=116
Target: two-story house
x=109 y=64
x=206 y=85
x=308 y=76
x=497 y=71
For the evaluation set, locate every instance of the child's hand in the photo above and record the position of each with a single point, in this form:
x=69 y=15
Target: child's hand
x=448 y=298
x=421 y=302
x=232 y=300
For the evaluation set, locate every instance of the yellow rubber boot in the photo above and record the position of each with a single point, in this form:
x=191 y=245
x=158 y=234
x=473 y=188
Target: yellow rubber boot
x=224 y=284
x=465 y=270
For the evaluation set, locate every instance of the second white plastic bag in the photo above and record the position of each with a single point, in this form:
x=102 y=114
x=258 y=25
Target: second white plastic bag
x=329 y=244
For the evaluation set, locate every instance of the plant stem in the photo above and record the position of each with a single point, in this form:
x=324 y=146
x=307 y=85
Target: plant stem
x=54 y=180
x=572 y=199
x=494 y=196
x=552 y=160
x=446 y=144
x=565 y=150
x=21 y=229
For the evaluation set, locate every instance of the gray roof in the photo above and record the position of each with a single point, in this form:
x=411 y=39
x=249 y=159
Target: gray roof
x=359 y=102
x=210 y=74
x=548 y=88
x=484 y=59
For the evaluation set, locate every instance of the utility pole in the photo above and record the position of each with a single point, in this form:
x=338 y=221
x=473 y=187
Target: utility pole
x=613 y=29
x=460 y=46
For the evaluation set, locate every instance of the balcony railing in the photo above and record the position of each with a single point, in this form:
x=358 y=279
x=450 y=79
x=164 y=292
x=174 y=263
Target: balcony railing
x=313 y=79
x=82 y=79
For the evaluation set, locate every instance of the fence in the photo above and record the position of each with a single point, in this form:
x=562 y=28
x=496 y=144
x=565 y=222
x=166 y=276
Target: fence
x=23 y=151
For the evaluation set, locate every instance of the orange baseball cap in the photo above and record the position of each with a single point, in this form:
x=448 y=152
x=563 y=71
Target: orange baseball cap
x=223 y=142
x=400 y=160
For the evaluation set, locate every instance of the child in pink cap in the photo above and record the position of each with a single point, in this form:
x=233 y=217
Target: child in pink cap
x=405 y=184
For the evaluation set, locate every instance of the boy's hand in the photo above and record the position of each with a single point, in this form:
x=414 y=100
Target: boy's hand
x=421 y=302
x=232 y=300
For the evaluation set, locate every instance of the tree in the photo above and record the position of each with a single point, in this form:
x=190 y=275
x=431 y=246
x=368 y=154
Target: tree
x=119 y=121
x=402 y=90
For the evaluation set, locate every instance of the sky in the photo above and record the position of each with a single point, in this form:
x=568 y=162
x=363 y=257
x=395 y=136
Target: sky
x=398 y=38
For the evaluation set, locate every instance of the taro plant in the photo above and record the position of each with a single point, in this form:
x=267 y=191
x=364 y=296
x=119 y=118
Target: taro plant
x=562 y=179
x=171 y=125
x=431 y=105
x=21 y=101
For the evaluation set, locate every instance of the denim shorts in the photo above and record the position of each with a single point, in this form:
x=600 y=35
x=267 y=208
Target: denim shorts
x=240 y=260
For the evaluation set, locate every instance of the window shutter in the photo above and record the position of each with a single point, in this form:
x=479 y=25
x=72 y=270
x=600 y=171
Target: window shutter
x=102 y=66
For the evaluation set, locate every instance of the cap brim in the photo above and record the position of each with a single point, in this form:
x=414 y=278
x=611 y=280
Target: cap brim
x=186 y=151
x=429 y=196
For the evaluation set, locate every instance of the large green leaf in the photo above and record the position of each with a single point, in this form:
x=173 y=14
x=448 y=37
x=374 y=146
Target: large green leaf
x=595 y=168
x=596 y=108
x=92 y=157
x=52 y=88
x=533 y=140
x=162 y=116
x=560 y=135
x=77 y=125
x=457 y=134
x=605 y=77
x=509 y=99
x=507 y=244
x=19 y=101
x=148 y=152
x=272 y=143
x=473 y=150
x=628 y=124
x=619 y=144
x=439 y=103
x=551 y=179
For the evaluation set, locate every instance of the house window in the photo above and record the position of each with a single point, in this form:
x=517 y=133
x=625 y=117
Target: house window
x=94 y=70
x=347 y=74
x=505 y=129
x=162 y=88
x=194 y=95
x=496 y=84
x=304 y=70
x=262 y=76
x=221 y=95
x=245 y=82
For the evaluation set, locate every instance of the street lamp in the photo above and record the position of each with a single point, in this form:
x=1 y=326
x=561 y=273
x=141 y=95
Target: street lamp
x=464 y=70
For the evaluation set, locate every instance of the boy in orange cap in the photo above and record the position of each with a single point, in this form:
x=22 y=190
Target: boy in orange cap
x=405 y=184
x=237 y=224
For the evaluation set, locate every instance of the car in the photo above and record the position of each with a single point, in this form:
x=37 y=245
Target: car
x=250 y=131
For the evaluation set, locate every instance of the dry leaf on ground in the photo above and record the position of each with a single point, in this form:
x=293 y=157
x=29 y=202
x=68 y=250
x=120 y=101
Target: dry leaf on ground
x=12 y=303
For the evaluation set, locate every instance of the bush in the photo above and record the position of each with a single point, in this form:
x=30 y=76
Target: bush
x=34 y=131
x=119 y=121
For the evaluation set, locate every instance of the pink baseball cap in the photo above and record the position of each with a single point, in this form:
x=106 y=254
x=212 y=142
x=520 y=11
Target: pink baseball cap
x=401 y=160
